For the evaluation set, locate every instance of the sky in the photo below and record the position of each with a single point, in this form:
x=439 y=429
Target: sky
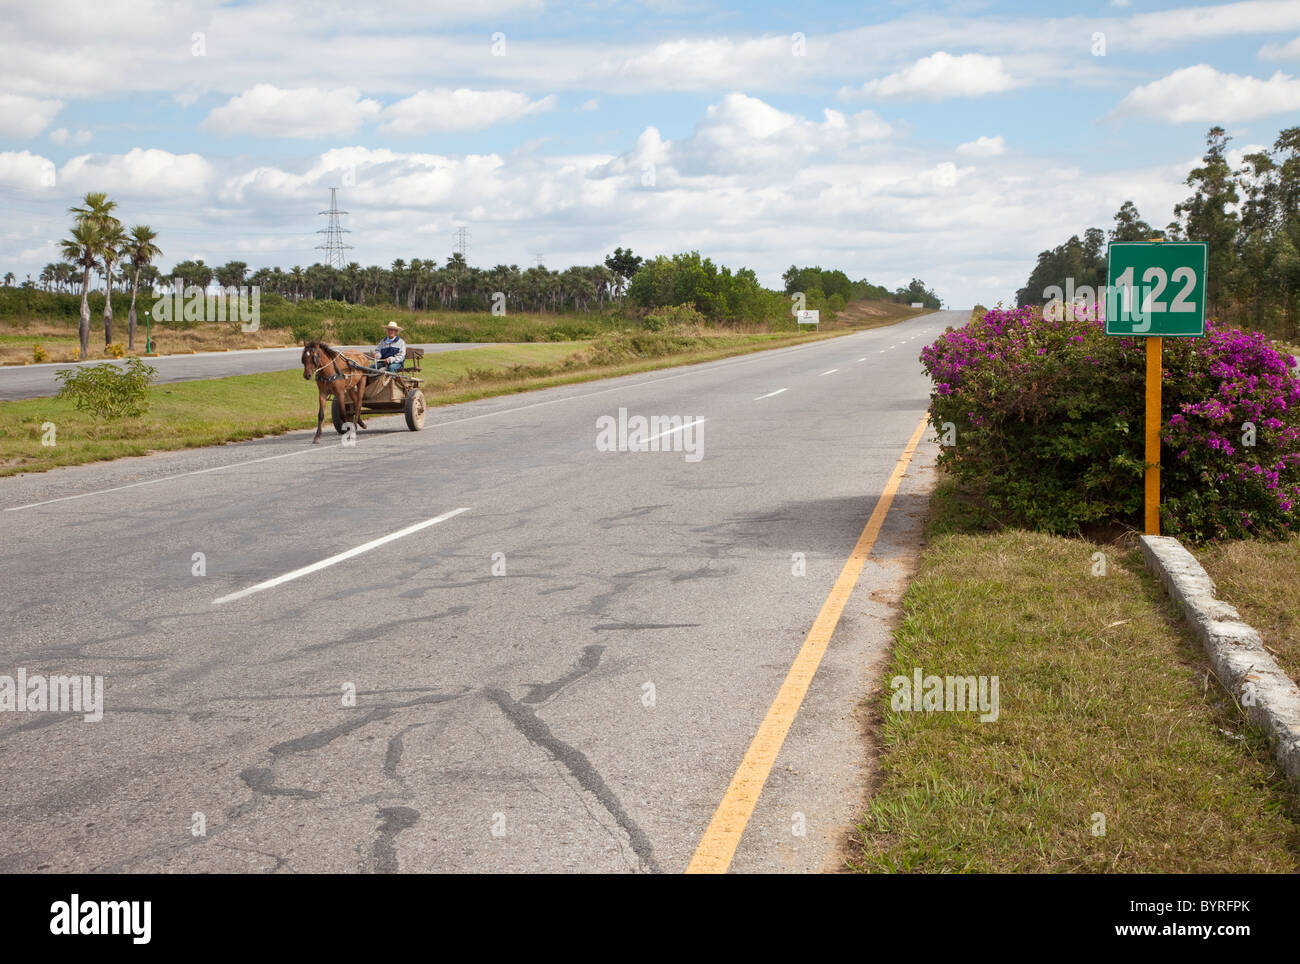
x=946 y=141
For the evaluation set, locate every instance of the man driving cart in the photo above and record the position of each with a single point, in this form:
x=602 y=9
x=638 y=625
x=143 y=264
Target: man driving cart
x=390 y=354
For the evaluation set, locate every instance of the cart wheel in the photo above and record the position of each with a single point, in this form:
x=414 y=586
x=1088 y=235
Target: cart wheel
x=336 y=413
x=415 y=410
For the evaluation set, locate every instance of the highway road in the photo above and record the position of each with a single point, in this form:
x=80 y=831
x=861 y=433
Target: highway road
x=493 y=645
x=32 y=381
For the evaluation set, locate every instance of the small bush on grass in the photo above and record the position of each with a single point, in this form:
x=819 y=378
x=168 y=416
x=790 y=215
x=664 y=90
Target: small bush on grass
x=108 y=391
x=674 y=316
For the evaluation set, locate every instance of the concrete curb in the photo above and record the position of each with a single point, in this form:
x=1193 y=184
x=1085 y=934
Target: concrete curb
x=1270 y=698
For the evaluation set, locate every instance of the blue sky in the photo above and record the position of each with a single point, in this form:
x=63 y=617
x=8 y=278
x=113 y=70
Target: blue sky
x=949 y=141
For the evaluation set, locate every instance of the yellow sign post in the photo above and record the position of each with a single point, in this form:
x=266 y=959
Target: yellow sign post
x=1155 y=289
x=1154 y=374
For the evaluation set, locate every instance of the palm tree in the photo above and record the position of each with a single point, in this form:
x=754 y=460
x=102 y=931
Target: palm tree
x=456 y=271
x=140 y=248
x=352 y=281
x=97 y=209
x=115 y=241
x=415 y=269
x=82 y=249
x=399 y=269
x=9 y=278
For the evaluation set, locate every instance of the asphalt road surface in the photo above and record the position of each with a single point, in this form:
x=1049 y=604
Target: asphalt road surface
x=33 y=381
x=487 y=646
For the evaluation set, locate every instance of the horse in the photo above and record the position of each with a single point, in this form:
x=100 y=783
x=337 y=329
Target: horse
x=338 y=373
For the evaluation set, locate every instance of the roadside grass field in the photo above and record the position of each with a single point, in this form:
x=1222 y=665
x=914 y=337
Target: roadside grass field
x=240 y=407
x=1107 y=707
x=1262 y=580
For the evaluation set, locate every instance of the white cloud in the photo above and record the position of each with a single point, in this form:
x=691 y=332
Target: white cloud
x=22 y=169
x=1164 y=28
x=1289 y=51
x=270 y=111
x=432 y=111
x=983 y=147
x=743 y=133
x=1203 y=94
x=62 y=136
x=941 y=75
x=25 y=116
x=590 y=105
x=139 y=172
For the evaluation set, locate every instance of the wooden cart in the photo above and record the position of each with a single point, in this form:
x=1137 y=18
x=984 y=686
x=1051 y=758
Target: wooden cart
x=389 y=394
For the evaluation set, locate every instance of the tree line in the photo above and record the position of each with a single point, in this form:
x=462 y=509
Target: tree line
x=127 y=261
x=1249 y=218
x=836 y=290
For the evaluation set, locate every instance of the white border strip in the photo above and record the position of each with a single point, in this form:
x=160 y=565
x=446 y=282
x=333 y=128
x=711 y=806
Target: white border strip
x=1268 y=696
x=317 y=566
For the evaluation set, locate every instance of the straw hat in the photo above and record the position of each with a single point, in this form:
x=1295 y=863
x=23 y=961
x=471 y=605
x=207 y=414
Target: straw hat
x=394 y=326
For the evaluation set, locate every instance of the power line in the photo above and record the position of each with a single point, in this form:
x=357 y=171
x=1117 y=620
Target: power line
x=334 y=246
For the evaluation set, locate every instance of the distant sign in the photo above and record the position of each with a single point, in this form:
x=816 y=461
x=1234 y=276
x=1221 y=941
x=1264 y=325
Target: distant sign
x=917 y=304
x=1155 y=288
x=807 y=317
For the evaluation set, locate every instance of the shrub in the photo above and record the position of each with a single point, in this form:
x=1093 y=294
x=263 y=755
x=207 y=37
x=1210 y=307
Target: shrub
x=674 y=316
x=308 y=331
x=107 y=390
x=40 y=354
x=1049 y=425
x=115 y=350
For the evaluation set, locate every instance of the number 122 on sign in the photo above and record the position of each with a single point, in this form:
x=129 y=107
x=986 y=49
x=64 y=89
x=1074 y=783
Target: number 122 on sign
x=1156 y=288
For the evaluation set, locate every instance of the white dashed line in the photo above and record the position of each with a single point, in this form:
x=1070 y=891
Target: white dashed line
x=317 y=566
x=671 y=430
x=831 y=372
x=769 y=394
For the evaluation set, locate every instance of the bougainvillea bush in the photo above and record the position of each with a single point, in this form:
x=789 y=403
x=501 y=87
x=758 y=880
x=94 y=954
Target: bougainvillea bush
x=1047 y=419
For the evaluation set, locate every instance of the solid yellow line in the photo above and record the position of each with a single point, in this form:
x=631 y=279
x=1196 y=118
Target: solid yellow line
x=718 y=845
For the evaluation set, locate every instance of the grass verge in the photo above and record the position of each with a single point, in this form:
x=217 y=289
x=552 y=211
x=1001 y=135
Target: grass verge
x=1106 y=708
x=241 y=407
x=1262 y=580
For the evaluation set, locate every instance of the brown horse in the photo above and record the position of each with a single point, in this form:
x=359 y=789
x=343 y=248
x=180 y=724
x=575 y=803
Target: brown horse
x=338 y=373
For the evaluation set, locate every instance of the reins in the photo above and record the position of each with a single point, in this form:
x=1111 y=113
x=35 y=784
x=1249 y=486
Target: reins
x=334 y=359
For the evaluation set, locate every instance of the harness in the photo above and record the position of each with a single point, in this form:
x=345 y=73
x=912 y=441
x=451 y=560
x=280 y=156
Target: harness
x=315 y=360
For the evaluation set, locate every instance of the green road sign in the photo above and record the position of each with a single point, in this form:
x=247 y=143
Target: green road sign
x=1155 y=288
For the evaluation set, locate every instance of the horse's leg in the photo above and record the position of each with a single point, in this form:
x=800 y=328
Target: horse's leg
x=320 y=416
x=360 y=391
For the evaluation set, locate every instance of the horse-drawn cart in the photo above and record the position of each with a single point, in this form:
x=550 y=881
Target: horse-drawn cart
x=389 y=394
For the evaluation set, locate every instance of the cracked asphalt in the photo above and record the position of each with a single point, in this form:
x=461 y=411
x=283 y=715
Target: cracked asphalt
x=562 y=678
